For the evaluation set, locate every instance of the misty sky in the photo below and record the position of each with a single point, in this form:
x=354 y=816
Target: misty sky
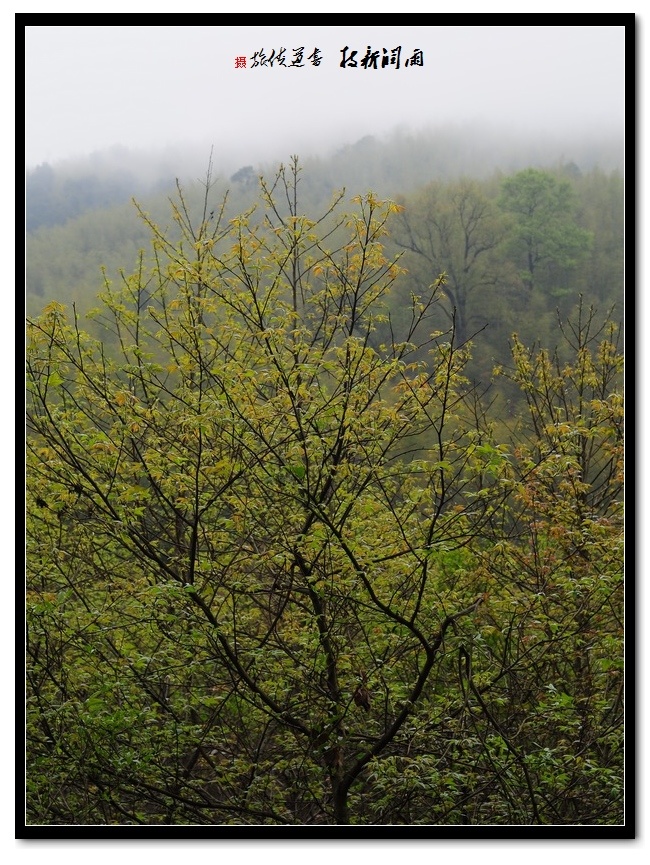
x=89 y=88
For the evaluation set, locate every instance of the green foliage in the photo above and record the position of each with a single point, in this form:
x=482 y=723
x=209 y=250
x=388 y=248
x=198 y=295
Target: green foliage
x=451 y=225
x=453 y=229
x=544 y=226
x=281 y=568
x=479 y=234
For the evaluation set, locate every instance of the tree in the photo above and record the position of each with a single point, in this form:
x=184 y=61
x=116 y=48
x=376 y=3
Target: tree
x=453 y=229
x=556 y=563
x=601 y=200
x=245 y=176
x=257 y=588
x=545 y=233
x=240 y=468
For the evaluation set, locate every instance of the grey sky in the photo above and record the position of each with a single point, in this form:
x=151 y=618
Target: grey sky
x=89 y=88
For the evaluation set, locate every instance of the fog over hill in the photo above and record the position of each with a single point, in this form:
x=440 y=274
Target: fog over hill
x=393 y=163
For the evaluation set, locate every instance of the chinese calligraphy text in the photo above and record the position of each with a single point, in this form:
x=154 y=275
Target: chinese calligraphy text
x=380 y=59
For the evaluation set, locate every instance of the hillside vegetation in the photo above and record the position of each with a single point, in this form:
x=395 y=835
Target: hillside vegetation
x=292 y=559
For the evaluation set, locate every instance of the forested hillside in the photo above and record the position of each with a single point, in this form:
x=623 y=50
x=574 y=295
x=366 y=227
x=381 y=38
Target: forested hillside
x=325 y=510
x=463 y=195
